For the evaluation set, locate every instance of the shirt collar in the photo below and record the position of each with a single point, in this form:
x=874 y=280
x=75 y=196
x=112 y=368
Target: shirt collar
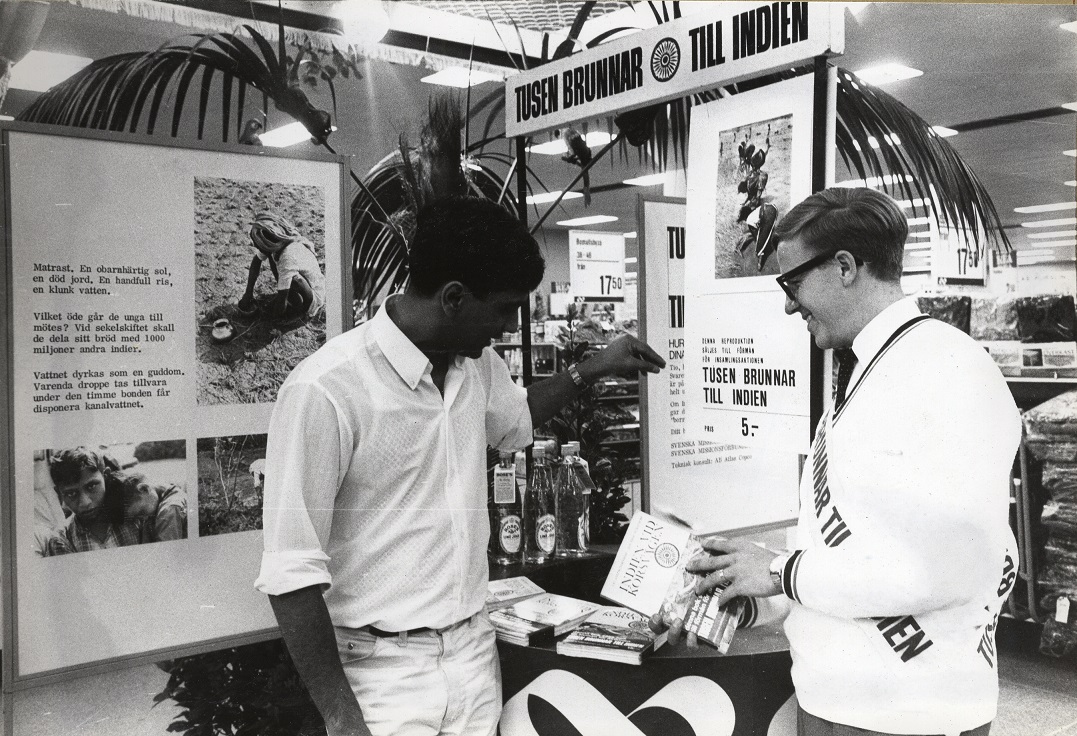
x=407 y=360
x=875 y=334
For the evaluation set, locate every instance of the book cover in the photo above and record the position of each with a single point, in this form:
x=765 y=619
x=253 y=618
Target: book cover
x=612 y=633
x=559 y=613
x=648 y=576
x=502 y=593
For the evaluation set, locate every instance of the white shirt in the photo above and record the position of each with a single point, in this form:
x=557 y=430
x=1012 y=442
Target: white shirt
x=907 y=556
x=375 y=484
x=299 y=260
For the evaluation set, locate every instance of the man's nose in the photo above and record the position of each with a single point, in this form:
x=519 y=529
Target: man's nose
x=83 y=502
x=791 y=305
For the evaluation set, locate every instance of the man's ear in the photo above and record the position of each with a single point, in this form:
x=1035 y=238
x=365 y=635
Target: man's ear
x=451 y=297
x=848 y=267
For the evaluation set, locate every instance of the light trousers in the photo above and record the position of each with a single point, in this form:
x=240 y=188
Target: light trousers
x=426 y=684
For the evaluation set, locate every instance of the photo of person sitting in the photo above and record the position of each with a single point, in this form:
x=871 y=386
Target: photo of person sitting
x=291 y=258
x=107 y=507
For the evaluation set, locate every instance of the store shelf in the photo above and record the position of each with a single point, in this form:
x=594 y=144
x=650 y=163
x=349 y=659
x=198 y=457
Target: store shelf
x=627 y=397
x=1029 y=391
x=620 y=442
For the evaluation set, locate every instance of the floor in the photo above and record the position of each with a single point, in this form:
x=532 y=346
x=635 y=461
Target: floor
x=1038 y=697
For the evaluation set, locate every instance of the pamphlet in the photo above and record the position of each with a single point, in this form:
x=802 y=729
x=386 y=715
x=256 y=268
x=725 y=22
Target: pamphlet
x=612 y=633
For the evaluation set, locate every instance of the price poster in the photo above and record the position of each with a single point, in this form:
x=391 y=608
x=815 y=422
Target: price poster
x=747 y=363
x=597 y=265
x=714 y=486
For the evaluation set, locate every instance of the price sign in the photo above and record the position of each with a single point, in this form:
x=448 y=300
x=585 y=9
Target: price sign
x=597 y=265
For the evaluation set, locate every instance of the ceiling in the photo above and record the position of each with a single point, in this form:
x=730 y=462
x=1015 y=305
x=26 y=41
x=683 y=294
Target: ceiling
x=997 y=73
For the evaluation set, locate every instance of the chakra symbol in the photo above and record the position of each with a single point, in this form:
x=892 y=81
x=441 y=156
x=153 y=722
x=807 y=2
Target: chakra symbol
x=667 y=554
x=665 y=59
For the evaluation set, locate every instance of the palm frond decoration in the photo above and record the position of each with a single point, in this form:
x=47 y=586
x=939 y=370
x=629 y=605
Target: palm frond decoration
x=126 y=92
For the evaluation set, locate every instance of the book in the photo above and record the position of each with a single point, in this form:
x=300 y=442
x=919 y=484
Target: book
x=612 y=633
x=502 y=593
x=648 y=576
x=541 y=618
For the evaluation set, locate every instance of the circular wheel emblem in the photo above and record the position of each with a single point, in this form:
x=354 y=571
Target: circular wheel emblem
x=665 y=59
x=667 y=554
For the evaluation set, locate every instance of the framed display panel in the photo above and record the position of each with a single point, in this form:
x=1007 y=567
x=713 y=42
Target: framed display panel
x=749 y=364
x=713 y=486
x=125 y=265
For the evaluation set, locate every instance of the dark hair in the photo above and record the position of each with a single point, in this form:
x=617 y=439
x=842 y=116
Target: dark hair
x=66 y=466
x=865 y=222
x=476 y=242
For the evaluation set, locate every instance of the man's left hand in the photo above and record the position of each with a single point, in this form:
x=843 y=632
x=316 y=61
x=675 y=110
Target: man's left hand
x=626 y=354
x=745 y=566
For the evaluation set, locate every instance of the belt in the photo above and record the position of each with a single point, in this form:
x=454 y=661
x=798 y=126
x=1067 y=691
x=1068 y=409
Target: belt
x=375 y=631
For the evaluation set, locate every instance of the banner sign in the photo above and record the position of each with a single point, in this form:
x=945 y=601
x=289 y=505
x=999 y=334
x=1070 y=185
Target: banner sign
x=747 y=363
x=597 y=265
x=713 y=486
x=727 y=43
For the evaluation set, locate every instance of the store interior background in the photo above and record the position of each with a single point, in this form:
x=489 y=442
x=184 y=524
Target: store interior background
x=1002 y=76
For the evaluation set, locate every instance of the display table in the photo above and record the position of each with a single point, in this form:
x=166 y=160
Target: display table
x=675 y=691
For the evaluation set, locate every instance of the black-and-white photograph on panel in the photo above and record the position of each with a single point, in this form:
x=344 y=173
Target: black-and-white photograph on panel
x=259 y=285
x=97 y=497
x=231 y=473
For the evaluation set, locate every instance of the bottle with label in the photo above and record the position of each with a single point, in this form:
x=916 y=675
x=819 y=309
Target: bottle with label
x=568 y=506
x=583 y=474
x=505 y=529
x=540 y=530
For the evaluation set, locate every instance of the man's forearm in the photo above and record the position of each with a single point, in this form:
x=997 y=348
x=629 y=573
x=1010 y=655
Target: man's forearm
x=546 y=397
x=308 y=633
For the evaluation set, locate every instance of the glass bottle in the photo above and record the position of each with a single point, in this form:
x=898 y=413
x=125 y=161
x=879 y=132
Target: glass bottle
x=505 y=527
x=540 y=531
x=568 y=504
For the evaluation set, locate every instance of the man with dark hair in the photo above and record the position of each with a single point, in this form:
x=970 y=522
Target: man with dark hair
x=904 y=554
x=375 y=482
x=79 y=476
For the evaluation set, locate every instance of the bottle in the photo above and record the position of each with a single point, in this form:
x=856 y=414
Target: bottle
x=505 y=527
x=568 y=505
x=540 y=532
x=583 y=474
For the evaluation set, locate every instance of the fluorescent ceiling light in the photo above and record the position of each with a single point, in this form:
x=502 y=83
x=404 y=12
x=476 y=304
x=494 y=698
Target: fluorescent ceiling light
x=546 y=197
x=1061 y=222
x=6 y=117
x=919 y=220
x=589 y=220
x=918 y=247
x=630 y=236
x=1057 y=243
x=648 y=181
x=1041 y=259
x=873 y=181
x=920 y=235
x=887 y=73
x=1056 y=234
x=557 y=147
x=284 y=136
x=1056 y=207
x=41 y=70
x=457 y=76
x=1071 y=153
x=630 y=260
x=1071 y=183
x=1070 y=106
x=1071 y=27
x=910 y=203
x=874 y=142
x=943 y=132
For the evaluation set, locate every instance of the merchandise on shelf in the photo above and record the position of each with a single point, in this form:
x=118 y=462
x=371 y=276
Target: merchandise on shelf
x=993 y=319
x=952 y=309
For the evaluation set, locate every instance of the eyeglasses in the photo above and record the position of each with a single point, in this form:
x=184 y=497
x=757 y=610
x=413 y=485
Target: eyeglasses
x=785 y=280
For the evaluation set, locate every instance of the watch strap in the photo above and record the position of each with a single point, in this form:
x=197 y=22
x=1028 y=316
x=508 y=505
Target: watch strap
x=574 y=374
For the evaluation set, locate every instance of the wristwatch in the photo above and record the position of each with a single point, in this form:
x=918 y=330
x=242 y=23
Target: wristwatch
x=777 y=569
x=574 y=374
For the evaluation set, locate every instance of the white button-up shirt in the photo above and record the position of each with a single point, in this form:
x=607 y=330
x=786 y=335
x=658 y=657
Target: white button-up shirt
x=375 y=483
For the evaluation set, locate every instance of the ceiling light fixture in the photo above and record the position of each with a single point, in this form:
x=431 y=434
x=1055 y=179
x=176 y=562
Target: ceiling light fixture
x=1072 y=152
x=1056 y=234
x=1061 y=222
x=887 y=73
x=557 y=147
x=547 y=197
x=1070 y=106
x=286 y=135
x=943 y=132
x=910 y=203
x=1056 y=207
x=41 y=70
x=919 y=220
x=630 y=236
x=919 y=235
x=630 y=260
x=589 y=220
x=459 y=77
x=1057 y=243
x=1071 y=26
x=1071 y=183
x=874 y=181
x=648 y=181
x=6 y=117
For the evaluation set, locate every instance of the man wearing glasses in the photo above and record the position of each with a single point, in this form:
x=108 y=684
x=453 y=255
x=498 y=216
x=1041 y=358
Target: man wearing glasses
x=903 y=553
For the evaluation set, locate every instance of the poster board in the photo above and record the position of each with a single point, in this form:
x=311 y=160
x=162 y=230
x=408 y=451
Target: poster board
x=121 y=256
x=748 y=362
x=714 y=486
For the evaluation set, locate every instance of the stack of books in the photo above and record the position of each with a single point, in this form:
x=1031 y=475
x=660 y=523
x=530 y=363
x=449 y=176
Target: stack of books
x=648 y=576
x=539 y=619
x=502 y=593
x=612 y=633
